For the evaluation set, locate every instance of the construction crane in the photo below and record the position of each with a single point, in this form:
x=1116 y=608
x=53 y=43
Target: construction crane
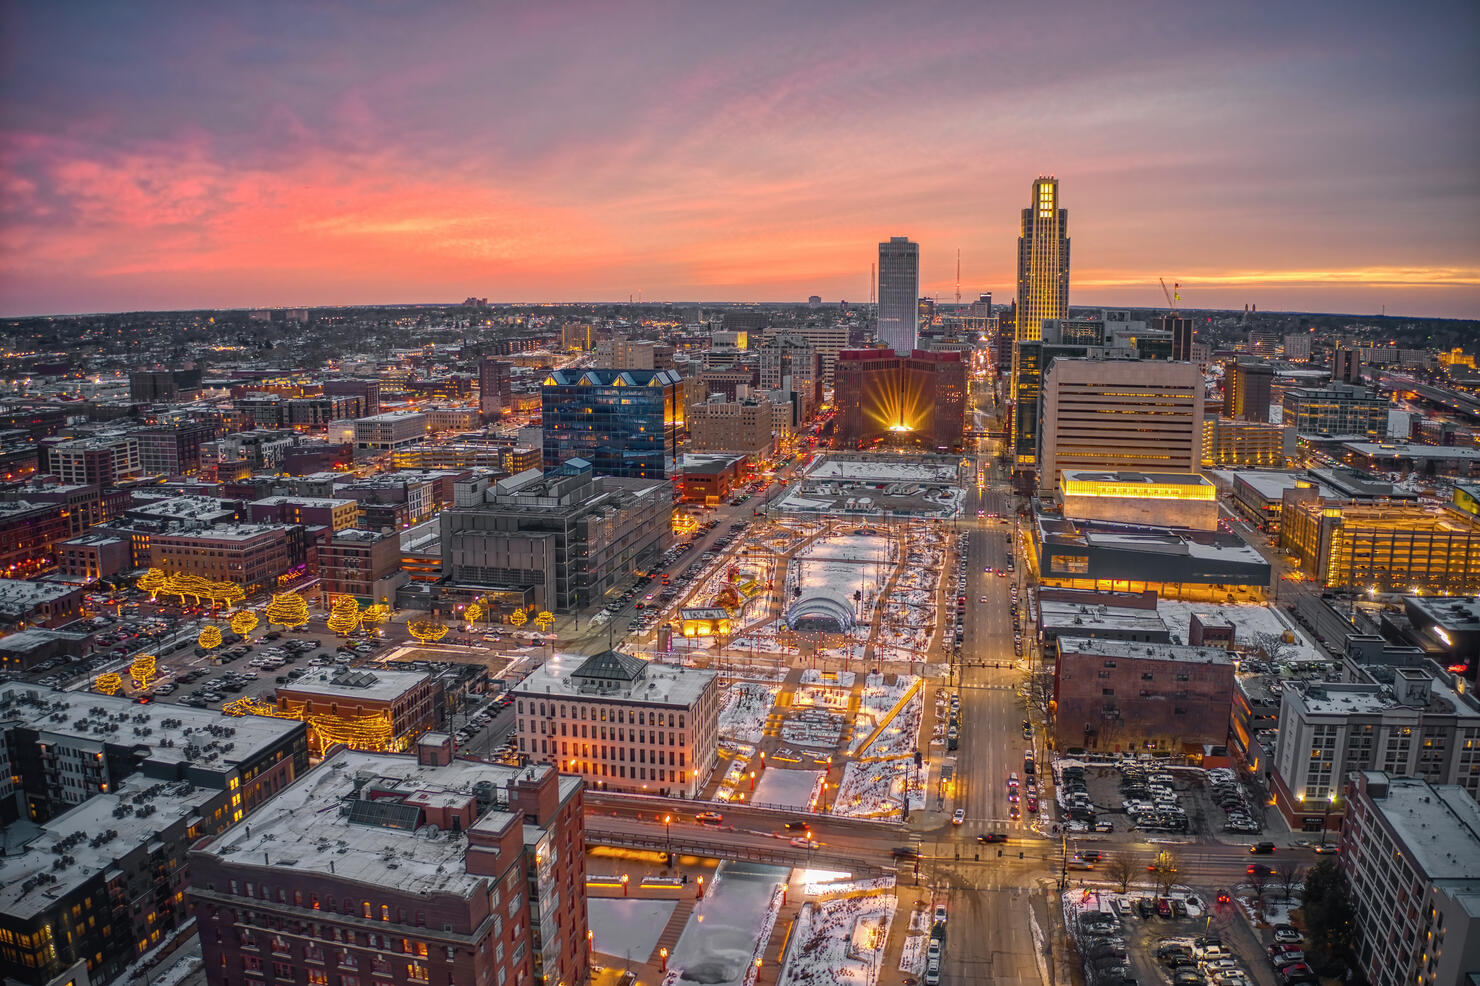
x=1172 y=296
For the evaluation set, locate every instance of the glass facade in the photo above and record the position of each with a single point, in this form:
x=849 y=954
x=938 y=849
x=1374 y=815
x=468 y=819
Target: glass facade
x=624 y=423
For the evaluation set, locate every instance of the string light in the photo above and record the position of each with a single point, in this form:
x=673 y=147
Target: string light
x=426 y=631
x=142 y=671
x=108 y=684
x=210 y=638
x=345 y=616
x=287 y=610
x=244 y=622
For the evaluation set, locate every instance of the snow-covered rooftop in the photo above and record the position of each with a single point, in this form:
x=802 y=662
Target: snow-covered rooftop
x=302 y=826
x=659 y=684
x=376 y=686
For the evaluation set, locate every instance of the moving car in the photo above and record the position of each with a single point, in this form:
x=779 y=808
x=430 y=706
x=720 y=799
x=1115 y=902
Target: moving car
x=992 y=837
x=959 y=816
x=709 y=817
x=1262 y=848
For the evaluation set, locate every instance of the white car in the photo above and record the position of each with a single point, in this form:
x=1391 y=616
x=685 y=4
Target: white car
x=801 y=842
x=940 y=914
x=959 y=816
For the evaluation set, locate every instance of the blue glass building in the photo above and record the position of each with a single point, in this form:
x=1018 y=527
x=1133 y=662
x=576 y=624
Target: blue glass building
x=624 y=422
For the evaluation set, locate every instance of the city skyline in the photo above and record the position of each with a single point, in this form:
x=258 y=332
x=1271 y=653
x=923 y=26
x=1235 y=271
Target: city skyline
x=168 y=158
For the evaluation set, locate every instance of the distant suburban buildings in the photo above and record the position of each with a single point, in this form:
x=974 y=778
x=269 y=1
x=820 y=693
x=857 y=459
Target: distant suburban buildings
x=622 y=723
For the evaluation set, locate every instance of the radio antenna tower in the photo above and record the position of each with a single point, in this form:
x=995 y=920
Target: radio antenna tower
x=958 y=277
x=872 y=280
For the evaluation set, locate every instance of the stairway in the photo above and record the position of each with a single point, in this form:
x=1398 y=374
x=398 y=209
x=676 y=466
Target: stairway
x=675 y=925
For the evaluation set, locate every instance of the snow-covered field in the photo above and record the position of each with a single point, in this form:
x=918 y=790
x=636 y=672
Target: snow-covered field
x=729 y=927
x=841 y=563
x=892 y=472
x=874 y=788
x=747 y=707
x=842 y=679
x=627 y=926
x=784 y=788
x=839 y=941
x=880 y=694
x=813 y=727
x=912 y=954
x=825 y=696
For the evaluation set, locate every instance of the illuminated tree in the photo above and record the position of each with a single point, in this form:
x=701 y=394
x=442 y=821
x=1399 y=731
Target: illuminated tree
x=519 y=617
x=210 y=638
x=373 y=616
x=109 y=684
x=287 y=610
x=152 y=581
x=426 y=631
x=345 y=616
x=226 y=593
x=142 y=670
x=182 y=585
x=473 y=613
x=545 y=620
x=244 y=622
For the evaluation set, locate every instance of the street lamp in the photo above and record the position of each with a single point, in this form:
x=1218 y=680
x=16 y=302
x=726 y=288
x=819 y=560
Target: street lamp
x=1326 y=814
x=668 y=835
x=663 y=954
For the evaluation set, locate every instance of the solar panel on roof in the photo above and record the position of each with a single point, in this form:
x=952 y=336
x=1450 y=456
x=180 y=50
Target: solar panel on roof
x=384 y=814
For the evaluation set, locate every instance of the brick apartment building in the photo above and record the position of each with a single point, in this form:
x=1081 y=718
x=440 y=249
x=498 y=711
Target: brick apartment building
x=1123 y=695
x=404 y=871
x=363 y=564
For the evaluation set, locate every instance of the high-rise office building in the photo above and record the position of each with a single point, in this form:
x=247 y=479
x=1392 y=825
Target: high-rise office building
x=1043 y=271
x=1181 y=332
x=899 y=294
x=1346 y=365
x=1120 y=414
x=1246 y=390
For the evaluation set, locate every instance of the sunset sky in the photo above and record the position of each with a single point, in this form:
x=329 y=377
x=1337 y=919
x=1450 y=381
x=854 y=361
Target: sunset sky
x=1312 y=156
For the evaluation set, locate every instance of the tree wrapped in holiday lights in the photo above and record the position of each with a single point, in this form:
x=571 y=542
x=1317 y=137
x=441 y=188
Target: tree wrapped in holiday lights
x=473 y=613
x=287 y=610
x=152 y=582
x=109 y=684
x=519 y=617
x=545 y=621
x=244 y=622
x=210 y=638
x=142 y=670
x=226 y=594
x=373 y=616
x=345 y=616
x=427 y=631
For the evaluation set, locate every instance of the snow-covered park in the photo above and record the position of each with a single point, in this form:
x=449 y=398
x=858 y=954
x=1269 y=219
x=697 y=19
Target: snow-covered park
x=747 y=708
x=839 y=941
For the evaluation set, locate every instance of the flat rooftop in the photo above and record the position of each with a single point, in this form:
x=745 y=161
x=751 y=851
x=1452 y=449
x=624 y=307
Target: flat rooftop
x=1063 y=617
x=1460 y=613
x=1412 y=451
x=82 y=834
x=1135 y=478
x=1130 y=649
x=374 y=686
x=176 y=733
x=657 y=684
x=1439 y=826
x=226 y=532
x=20 y=591
x=300 y=828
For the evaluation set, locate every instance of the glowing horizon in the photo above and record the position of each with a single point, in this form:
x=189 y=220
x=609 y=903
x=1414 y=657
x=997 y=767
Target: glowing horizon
x=1309 y=159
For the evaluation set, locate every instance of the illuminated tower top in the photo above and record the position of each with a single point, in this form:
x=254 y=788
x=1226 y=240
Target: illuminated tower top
x=1043 y=261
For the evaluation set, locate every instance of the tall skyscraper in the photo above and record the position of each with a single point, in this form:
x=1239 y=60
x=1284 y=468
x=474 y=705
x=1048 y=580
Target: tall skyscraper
x=899 y=294
x=1043 y=271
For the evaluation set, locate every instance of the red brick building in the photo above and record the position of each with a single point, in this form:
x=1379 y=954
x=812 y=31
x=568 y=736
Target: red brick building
x=1124 y=695
x=363 y=564
x=400 y=871
x=919 y=398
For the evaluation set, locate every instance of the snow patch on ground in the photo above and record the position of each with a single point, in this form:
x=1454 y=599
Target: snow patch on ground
x=627 y=926
x=783 y=788
x=730 y=927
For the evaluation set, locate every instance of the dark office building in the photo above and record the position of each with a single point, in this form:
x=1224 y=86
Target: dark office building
x=1181 y=332
x=495 y=388
x=623 y=422
x=368 y=391
x=1246 y=390
x=164 y=386
x=172 y=450
x=920 y=398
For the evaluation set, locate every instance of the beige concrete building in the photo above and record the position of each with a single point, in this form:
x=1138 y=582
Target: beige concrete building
x=620 y=353
x=828 y=340
x=621 y=723
x=754 y=427
x=1112 y=415
x=1229 y=442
